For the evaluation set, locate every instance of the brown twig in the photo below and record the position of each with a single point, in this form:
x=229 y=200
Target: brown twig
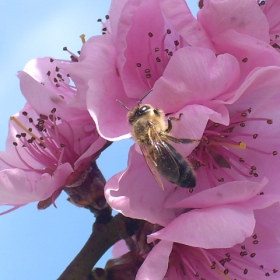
x=101 y=239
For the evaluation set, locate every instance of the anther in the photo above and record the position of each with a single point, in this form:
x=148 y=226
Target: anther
x=275 y=153
x=138 y=64
x=226 y=271
x=48 y=73
x=28 y=131
x=150 y=34
x=83 y=38
x=168 y=31
x=176 y=43
x=255 y=135
x=65 y=49
x=245 y=59
x=269 y=121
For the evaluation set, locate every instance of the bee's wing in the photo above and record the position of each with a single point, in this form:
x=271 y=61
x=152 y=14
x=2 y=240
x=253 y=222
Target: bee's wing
x=151 y=164
x=159 y=157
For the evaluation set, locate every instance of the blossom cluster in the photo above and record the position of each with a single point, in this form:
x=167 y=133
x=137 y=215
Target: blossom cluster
x=220 y=72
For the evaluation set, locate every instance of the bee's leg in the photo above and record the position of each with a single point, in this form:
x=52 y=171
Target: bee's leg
x=169 y=127
x=182 y=140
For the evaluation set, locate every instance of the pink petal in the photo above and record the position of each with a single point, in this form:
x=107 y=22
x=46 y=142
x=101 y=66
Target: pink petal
x=136 y=194
x=194 y=75
x=119 y=249
x=41 y=98
x=232 y=192
x=113 y=124
x=216 y=227
x=255 y=85
x=131 y=51
x=178 y=13
x=263 y=201
x=259 y=54
x=17 y=187
x=94 y=147
x=245 y=17
x=156 y=263
x=115 y=14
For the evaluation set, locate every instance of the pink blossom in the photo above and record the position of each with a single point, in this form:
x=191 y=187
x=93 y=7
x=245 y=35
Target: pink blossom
x=48 y=140
x=253 y=120
x=216 y=237
x=189 y=73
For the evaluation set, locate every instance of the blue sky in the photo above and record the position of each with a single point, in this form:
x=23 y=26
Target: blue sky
x=40 y=244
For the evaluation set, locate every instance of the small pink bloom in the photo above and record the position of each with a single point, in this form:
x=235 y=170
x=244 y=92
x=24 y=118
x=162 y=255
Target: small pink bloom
x=48 y=140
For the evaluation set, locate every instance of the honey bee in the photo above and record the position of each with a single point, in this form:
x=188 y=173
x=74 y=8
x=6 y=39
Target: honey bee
x=152 y=134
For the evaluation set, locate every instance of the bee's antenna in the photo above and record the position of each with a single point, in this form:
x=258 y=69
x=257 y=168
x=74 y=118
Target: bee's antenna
x=123 y=105
x=139 y=102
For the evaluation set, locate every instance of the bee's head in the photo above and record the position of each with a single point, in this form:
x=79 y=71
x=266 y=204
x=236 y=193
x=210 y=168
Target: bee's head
x=140 y=111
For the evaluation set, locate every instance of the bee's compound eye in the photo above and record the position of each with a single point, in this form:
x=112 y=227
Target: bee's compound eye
x=144 y=109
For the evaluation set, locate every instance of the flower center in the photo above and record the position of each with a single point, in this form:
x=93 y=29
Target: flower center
x=242 y=260
x=219 y=151
x=158 y=55
x=43 y=141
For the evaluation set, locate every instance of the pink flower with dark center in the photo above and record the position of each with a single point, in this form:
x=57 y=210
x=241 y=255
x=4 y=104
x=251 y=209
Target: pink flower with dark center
x=48 y=140
x=240 y=146
x=209 y=241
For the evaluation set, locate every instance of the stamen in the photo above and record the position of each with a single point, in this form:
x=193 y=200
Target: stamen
x=83 y=38
x=240 y=145
x=28 y=131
